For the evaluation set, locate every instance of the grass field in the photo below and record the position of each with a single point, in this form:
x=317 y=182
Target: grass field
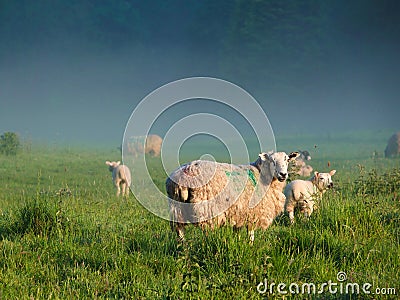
x=65 y=235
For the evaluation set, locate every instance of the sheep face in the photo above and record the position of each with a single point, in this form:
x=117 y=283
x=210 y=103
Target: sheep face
x=304 y=155
x=323 y=181
x=277 y=164
x=112 y=165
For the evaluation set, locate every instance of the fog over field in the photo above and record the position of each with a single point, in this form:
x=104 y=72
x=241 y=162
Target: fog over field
x=73 y=71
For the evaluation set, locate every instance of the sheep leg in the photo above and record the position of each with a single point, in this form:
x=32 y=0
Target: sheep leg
x=250 y=232
x=179 y=229
x=291 y=217
x=126 y=190
x=251 y=237
x=181 y=233
x=117 y=183
x=308 y=211
x=123 y=184
x=290 y=210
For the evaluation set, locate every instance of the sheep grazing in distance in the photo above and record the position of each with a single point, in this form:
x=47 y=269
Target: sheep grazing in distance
x=393 y=146
x=302 y=194
x=300 y=167
x=304 y=155
x=121 y=177
x=211 y=194
x=150 y=144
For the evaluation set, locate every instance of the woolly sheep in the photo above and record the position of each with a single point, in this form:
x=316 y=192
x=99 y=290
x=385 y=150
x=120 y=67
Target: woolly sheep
x=393 y=146
x=300 y=167
x=212 y=194
x=121 y=177
x=150 y=144
x=301 y=194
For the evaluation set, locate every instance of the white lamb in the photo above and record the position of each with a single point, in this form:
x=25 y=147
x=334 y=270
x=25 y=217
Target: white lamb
x=302 y=194
x=209 y=194
x=121 y=177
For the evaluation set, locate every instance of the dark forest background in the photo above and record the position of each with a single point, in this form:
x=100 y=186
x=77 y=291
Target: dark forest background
x=65 y=66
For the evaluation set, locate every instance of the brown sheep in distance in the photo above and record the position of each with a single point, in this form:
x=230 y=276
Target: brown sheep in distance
x=150 y=144
x=393 y=146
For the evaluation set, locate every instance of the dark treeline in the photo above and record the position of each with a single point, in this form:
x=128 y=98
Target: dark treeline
x=274 y=40
x=341 y=55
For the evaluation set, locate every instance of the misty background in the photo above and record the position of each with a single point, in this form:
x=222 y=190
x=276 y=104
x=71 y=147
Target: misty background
x=73 y=71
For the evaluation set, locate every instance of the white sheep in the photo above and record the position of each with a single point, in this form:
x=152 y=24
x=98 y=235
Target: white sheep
x=121 y=177
x=302 y=194
x=209 y=194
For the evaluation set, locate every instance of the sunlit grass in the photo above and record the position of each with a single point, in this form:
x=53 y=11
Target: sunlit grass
x=64 y=234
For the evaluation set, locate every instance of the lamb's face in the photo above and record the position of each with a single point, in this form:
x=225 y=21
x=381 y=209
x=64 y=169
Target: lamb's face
x=112 y=165
x=277 y=163
x=324 y=180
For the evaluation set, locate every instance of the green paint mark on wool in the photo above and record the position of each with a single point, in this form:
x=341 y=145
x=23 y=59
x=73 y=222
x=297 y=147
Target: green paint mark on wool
x=250 y=174
x=233 y=173
x=252 y=178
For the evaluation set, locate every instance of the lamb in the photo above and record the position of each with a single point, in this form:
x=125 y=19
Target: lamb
x=121 y=177
x=211 y=194
x=302 y=194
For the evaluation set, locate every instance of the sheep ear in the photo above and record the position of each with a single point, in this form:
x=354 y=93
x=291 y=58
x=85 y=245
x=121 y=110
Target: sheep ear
x=108 y=163
x=264 y=156
x=316 y=174
x=118 y=163
x=332 y=172
x=293 y=155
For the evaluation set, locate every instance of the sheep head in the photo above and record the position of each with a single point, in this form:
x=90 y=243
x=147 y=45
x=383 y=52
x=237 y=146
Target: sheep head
x=112 y=165
x=323 y=181
x=276 y=164
x=304 y=155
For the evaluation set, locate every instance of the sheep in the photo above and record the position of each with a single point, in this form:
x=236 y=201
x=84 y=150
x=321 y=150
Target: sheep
x=303 y=193
x=304 y=155
x=150 y=144
x=393 y=146
x=121 y=177
x=212 y=194
x=299 y=167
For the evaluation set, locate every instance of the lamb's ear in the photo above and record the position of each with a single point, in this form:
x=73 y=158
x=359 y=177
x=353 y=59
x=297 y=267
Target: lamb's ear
x=293 y=155
x=332 y=172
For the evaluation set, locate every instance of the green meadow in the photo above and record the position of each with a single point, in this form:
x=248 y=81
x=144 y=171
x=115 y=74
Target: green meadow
x=65 y=235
